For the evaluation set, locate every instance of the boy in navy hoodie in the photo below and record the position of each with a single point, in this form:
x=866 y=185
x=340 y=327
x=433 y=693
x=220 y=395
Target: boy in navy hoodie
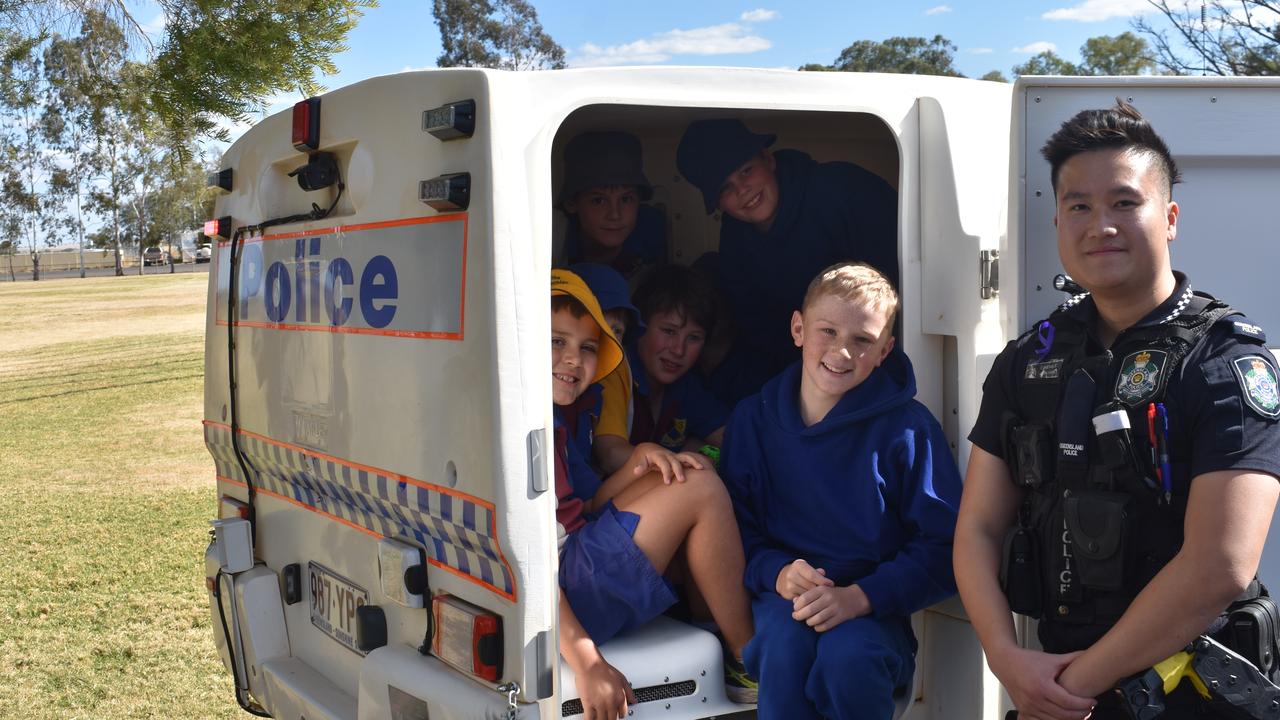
x=846 y=495
x=784 y=217
x=618 y=537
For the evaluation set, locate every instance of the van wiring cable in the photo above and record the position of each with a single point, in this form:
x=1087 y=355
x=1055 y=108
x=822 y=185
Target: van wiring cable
x=237 y=246
x=241 y=692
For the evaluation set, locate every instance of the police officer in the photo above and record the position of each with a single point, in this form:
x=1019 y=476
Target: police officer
x=1125 y=457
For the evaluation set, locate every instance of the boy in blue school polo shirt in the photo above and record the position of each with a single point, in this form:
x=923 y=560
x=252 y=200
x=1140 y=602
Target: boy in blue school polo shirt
x=846 y=495
x=672 y=407
x=615 y=545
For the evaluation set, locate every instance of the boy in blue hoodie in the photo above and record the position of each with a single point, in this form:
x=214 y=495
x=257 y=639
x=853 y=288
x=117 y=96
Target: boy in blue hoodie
x=846 y=495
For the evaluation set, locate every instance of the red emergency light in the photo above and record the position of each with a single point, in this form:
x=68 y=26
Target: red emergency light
x=306 y=124
x=218 y=228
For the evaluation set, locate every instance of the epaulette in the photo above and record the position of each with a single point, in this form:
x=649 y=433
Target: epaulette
x=1241 y=327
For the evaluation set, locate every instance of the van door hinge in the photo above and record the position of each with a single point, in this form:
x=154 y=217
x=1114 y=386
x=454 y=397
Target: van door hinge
x=989 y=273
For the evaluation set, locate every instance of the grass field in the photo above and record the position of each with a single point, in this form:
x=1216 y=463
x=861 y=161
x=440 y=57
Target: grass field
x=107 y=491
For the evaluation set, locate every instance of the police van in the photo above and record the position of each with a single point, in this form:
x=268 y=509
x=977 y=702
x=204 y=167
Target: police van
x=377 y=395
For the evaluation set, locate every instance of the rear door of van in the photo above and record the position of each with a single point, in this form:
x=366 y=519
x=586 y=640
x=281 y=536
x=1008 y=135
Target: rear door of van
x=381 y=408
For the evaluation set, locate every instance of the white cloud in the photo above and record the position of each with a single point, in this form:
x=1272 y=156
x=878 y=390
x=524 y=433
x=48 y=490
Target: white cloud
x=1099 y=10
x=758 y=15
x=725 y=39
x=980 y=51
x=154 y=28
x=938 y=10
x=1035 y=47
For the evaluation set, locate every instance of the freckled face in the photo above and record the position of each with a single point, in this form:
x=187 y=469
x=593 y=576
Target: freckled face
x=841 y=343
x=575 y=347
x=606 y=215
x=750 y=193
x=1114 y=220
x=670 y=347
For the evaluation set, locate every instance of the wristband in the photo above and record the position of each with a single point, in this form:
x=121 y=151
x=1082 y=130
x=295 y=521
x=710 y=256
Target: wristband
x=713 y=452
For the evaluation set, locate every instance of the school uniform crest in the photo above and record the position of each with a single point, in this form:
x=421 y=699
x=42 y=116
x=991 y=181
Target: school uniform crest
x=1140 y=376
x=676 y=436
x=1259 y=386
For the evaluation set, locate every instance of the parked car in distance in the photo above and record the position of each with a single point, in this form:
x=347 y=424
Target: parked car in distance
x=154 y=256
x=203 y=254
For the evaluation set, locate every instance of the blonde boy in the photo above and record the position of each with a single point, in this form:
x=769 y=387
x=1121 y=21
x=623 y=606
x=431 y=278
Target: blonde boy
x=846 y=496
x=618 y=539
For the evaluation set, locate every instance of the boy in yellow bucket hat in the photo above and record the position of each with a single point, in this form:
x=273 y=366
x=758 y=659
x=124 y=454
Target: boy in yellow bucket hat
x=611 y=563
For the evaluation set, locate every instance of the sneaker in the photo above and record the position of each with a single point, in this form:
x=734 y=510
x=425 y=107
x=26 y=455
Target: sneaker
x=739 y=686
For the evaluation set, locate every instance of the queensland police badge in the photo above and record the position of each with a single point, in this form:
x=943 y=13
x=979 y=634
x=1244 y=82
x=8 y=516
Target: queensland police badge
x=1140 y=376
x=1258 y=383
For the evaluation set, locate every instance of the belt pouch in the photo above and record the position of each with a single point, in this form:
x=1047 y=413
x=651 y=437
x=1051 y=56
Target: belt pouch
x=1251 y=631
x=1020 y=572
x=1096 y=525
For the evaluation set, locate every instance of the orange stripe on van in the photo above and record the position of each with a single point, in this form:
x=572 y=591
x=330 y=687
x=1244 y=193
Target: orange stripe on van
x=304 y=506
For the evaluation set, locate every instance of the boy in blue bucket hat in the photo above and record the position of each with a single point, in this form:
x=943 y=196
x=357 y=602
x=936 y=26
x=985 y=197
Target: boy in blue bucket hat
x=785 y=218
x=611 y=445
x=604 y=193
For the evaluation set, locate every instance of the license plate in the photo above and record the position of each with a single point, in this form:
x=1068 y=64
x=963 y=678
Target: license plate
x=334 y=600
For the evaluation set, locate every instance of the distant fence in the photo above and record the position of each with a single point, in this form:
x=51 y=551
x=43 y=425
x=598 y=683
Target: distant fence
x=67 y=260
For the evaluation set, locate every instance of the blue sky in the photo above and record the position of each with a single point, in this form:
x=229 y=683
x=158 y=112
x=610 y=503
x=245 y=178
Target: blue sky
x=989 y=35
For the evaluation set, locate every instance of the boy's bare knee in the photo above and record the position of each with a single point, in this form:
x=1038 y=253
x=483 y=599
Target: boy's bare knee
x=705 y=484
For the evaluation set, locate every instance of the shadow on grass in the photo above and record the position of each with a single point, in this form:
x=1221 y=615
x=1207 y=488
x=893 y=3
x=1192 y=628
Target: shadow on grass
x=79 y=390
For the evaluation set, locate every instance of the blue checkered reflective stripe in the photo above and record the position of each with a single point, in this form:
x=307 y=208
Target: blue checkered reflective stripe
x=458 y=531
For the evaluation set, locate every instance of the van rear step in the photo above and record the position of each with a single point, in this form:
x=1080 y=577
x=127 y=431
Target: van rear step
x=676 y=669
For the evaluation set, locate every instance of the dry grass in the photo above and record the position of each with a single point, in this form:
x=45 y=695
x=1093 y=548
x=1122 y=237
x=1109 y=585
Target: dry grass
x=107 y=490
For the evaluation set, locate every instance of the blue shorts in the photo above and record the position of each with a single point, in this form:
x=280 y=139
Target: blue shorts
x=610 y=584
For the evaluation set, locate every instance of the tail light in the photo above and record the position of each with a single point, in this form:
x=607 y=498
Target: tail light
x=467 y=637
x=306 y=125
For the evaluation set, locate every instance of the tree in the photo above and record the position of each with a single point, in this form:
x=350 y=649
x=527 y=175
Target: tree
x=995 y=76
x=1046 y=63
x=1240 y=37
x=1123 y=54
x=218 y=58
x=502 y=34
x=907 y=55
x=21 y=100
x=68 y=116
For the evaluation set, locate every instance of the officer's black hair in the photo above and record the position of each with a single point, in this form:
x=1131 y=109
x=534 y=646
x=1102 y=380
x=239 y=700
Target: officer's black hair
x=1119 y=127
x=679 y=289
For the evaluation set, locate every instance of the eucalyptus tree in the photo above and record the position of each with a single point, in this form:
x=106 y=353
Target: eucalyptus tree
x=21 y=106
x=501 y=34
x=71 y=83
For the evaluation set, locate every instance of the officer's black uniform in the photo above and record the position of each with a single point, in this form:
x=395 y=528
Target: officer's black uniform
x=1097 y=523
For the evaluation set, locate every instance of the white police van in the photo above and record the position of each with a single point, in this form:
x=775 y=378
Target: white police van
x=377 y=394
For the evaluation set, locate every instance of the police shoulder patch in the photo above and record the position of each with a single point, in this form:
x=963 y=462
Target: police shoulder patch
x=1140 y=375
x=1258 y=385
